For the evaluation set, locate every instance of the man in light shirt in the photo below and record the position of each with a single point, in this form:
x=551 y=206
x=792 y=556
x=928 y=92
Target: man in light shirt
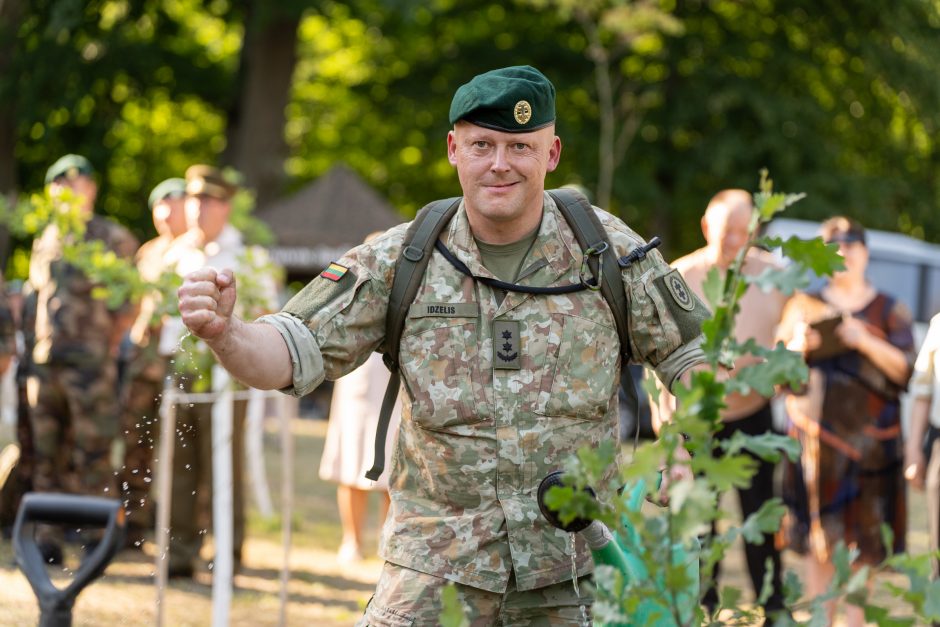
x=210 y=241
x=925 y=418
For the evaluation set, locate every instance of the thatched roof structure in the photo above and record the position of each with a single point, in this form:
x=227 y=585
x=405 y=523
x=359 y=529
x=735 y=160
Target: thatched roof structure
x=323 y=220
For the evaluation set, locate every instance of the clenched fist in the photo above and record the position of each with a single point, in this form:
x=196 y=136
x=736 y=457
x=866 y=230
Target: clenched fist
x=206 y=301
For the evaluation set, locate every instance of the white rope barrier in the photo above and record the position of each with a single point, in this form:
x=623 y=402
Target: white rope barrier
x=222 y=498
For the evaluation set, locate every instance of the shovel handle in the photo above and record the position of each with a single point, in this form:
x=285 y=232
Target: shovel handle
x=71 y=509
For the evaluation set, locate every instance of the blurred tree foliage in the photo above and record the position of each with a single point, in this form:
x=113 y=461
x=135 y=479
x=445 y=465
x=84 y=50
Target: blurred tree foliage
x=705 y=92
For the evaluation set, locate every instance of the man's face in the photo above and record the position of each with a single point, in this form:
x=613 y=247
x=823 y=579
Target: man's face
x=726 y=229
x=82 y=186
x=502 y=174
x=169 y=216
x=208 y=214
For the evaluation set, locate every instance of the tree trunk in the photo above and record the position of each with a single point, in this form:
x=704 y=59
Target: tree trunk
x=256 y=145
x=10 y=15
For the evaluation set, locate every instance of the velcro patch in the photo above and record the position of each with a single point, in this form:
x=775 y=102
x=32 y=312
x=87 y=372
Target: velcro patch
x=685 y=308
x=679 y=291
x=334 y=272
x=318 y=293
x=506 y=343
x=447 y=310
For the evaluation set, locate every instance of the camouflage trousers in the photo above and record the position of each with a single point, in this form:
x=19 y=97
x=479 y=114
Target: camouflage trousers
x=74 y=417
x=191 y=500
x=140 y=425
x=405 y=597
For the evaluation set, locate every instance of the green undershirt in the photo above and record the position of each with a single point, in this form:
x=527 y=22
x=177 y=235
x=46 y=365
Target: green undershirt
x=505 y=260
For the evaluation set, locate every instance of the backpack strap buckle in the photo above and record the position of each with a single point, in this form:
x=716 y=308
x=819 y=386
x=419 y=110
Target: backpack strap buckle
x=595 y=250
x=412 y=253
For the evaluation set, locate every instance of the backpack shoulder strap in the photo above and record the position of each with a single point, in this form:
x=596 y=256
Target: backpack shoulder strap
x=592 y=235
x=409 y=271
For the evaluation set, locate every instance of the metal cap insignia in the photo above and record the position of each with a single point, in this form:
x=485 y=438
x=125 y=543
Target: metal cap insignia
x=522 y=112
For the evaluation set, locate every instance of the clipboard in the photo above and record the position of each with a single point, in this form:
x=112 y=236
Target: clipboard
x=831 y=344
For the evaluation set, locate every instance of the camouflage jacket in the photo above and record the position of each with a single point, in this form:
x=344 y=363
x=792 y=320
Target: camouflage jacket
x=72 y=327
x=475 y=440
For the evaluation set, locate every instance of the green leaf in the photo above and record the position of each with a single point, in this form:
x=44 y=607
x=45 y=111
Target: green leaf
x=769 y=204
x=887 y=539
x=727 y=472
x=779 y=366
x=713 y=287
x=792 y=588
x=791 y=278
x=842 y=559
x=931 y=610
x=452 y=614
x=764 y=521
x=823 y=259
x=882 y=617
x=768 y=446
x=729 y=596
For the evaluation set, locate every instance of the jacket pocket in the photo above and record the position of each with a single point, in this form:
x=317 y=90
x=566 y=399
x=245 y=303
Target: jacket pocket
x=440 y=368
x=581 y=369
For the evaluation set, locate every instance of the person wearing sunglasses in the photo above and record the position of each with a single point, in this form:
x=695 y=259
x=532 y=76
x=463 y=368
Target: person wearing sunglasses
x=859 y=346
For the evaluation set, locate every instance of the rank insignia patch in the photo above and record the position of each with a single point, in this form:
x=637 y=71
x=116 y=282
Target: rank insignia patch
x=680 y=291
x=506 y=345
x=335 y=272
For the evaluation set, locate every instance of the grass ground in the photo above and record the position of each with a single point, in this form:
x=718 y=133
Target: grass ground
x=321 y=592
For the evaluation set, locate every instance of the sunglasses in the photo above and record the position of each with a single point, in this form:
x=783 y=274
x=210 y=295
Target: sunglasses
x=845 y=238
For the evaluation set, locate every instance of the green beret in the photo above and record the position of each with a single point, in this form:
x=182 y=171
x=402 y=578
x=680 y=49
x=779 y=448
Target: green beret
x=69 y=166
x=512 y=99
x=169 y=187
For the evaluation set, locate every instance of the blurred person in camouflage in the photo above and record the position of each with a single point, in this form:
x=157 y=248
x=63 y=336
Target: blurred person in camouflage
x=72 y=385
x=211 y=240
x=146 y=369
x=481 y=424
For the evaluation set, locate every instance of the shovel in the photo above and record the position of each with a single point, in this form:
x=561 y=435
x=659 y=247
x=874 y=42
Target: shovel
x=55 y=604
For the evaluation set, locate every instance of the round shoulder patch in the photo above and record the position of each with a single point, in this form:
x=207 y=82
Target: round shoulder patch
x=679 y=290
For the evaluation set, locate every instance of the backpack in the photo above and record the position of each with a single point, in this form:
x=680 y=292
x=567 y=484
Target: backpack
x=421 y=239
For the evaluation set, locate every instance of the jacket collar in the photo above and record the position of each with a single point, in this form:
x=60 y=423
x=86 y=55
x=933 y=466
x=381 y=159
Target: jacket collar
x=551 y=260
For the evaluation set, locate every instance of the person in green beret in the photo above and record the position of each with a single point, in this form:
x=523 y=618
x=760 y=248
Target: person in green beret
x=144 y=368
x=503 y=381
x=73 y=375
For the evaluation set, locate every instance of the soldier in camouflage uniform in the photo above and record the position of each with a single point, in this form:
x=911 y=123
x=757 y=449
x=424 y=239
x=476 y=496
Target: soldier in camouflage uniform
x=501 y=387
x=73 y=383
x=146 y=368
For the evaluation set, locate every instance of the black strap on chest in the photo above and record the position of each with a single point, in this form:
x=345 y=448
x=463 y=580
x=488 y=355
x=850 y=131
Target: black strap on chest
x=422 y=238
x=409 y=271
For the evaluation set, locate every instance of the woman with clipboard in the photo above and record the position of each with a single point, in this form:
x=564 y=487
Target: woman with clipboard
x=859 y=345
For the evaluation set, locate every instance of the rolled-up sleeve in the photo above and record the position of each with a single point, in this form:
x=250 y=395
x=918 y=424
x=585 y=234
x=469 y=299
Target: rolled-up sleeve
x=305 y=356
x=670 y=369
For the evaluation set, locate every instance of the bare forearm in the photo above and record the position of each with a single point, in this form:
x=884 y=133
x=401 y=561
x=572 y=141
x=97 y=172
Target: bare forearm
x=887 y=358
x=255 y=354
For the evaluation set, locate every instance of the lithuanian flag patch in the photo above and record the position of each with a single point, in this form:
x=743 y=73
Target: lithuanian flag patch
x=335 y=272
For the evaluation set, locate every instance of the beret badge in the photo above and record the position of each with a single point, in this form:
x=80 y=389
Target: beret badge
x=522 y=112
